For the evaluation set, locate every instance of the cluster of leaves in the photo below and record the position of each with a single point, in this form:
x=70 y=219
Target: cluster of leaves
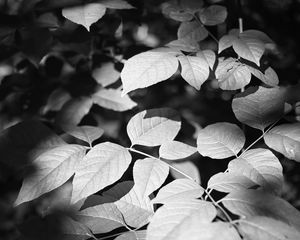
x=91 y=189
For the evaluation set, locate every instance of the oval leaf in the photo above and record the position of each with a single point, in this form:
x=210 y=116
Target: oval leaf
x=186 y=167
x=213 y=15
x=86 y=133
x=176 y=150
x=106 y=74
x=192 y=31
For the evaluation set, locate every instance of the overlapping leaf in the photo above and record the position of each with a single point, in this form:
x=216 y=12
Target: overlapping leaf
x=269 y=77
x=174 y=150
x=86 y=133
x=213 y=15
x=187 y=168
x=192 y=31
x=220 y=140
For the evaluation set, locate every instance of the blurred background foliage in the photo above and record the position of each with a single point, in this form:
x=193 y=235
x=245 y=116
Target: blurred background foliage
x=47 y=61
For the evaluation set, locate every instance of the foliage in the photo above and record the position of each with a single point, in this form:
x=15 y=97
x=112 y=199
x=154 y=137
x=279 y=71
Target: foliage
x=90 y=183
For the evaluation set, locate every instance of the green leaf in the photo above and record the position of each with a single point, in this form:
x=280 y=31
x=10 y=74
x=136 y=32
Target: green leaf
x=264 y=228
x=106 y=74
x=174 y=150
x=85 y=15
x=261 y=166
x=103 y=165
x=133 y=235
x=269 y=77
x=149 y=174
x=220 y=140
x=225 y=42
x=186 y=167
x=148 y=68
x=178 y=191
x=213 y=15
x=194 y=70
x=86 y=133
x=228 y=182
x=192 y=31
x=285 y=139
x=209 y=56
x=231 y=74
x=259 y=109
x=112 y=99
x=168 y=220
x=101 y=218
x=153 y=127
x=253 y=203
x=51 y=169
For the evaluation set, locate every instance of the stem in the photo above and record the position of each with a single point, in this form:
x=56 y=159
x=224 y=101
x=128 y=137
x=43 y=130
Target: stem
x=209 y=33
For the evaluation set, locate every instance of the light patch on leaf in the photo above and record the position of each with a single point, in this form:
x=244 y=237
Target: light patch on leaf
x=175 y=150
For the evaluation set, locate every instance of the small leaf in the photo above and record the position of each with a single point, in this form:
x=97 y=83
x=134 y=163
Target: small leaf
x=148 y=68
x=56 y=100
x=86 y=133
x=174 y=150
x=106 y=74
x=194 y=70
x=85 y=15
x=103 y=165
x=261 y=166
x=220 y=140
x=285 y=139
x=269 y=77
x=213 y=15
x=186 y=167
x=226 y=41
x=116 y=4
x=232 y=75
x=52 y=169
x=192 y=31
x=153 y=127
x=259 y=109
x=112 y=99
x=178 y=191
x=228 y=182
x=133 y=235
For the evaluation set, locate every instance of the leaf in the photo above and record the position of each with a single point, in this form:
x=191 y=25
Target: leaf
x=228 y=182
x=148 y=68
x=103 y=165
x=263 y=228
x=209 y=56
x=174 y=150
x=269 y=77
x=220 y=140
x=170 y=217
x=153 y=127
x=133 y=235
x=176 y=12
x=52 y=169
x=253 y=203
x=225 y=42
x=101 y=218
x=106 y=74
x=259 y=109
x=186 y=167
x=285 y=139
x=56 y=100
x=194 y=70
x=116 y=4
x=213 y=15
x=178 y=191
x=149 y=174
x=85 y=15
x=86 y=133
x=261 y=166
x=232 y=75
x=112 y=99
x=191 y=31
x=184 y=45
x=73 y=111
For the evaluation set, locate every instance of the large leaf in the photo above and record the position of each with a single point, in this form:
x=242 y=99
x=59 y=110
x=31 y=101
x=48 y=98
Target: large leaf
x=192 y=31
x=153 y=127
x=133 y=235
x=86 y=133
x=104 y=164
x=85 y=15
x=169 y=218
x=264 y=228
x=106 y=74
x=259 y=109
x=252 y=203
x=194 y=70
x=178 y=190
x=148 y=68
x=213 y=15
x=232 y=74
x=261 y=166
x=174 y=150
x=149 y=174
x=220 y=140
x=285 y=139
x=112 y=99
x=186 y=167
x=51 y=169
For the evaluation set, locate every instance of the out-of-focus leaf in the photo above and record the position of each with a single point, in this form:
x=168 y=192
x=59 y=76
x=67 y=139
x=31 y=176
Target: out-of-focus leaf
x=106 y=74
x=184 y=45
x=191 y=31
x=213 y=15
x=56 y=100
x=116 y=4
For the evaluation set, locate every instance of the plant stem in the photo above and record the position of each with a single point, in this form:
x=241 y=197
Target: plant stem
x=209 y=33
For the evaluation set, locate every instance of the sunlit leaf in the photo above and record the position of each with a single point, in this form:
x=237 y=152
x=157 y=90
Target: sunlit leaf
x=106 y=74
x=220 y=140
x=85 y=15
x=51 y=169
x=153 y=127
x=192 y=31
x=103 y=165
x=133 y=235
x=86 y=133
x=213 y=15
x=174 y=150
x=259 y=109
x=186 y=167
x=178 y=191
x=225 y=42
x=285 y=139
x=209 y=56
